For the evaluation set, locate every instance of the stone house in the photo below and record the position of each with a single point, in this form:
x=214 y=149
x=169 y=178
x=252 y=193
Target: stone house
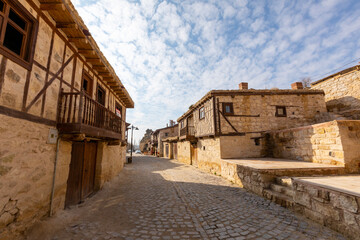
x=62 y=113
x=170 y=147
x=342 y=92
x=160 y=135
x=227 y=124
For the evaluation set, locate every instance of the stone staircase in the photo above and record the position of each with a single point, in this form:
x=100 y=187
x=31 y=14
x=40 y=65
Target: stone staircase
x=281 y=192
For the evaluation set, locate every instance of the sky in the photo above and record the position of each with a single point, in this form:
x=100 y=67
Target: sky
x=168 y=54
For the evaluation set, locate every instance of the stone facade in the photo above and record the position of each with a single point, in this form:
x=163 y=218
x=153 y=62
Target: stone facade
x=335 y=209
x=333 y=142
x=342 y=91
x=29 y=100
x=162 y=134
x=184 y=154
x=208 y=155
x=238 y=132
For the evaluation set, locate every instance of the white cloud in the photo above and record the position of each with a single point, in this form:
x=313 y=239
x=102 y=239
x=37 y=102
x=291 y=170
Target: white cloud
x=169 y=54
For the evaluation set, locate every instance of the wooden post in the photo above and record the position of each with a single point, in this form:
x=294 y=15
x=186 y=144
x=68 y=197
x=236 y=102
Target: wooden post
x=81 y=102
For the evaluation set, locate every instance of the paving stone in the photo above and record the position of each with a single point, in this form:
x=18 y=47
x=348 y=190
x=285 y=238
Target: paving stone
x=155 y=198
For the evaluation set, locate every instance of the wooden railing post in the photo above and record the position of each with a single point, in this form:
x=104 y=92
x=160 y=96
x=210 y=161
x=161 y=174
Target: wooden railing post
x=81 y=107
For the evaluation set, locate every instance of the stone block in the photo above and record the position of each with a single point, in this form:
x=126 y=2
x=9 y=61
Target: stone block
x=348 y=203
x=302 y=198
x=325 y=209
x=350 y=219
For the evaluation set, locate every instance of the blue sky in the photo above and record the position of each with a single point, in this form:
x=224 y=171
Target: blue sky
x=168 y=54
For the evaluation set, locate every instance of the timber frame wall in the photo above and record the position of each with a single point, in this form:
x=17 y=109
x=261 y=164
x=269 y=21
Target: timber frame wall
x=89 y=61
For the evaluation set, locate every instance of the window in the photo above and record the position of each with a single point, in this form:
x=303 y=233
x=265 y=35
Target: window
x=166 y=134
x=202 y=113
x=280 y=111
x=87 y=84
x=228 y=109
x=118 y=110
x=17 y=32
x=101 y=95
x=182 y=124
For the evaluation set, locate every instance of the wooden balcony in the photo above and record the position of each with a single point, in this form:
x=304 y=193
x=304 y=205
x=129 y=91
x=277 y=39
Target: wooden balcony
x=79 y=114
x=188 y=133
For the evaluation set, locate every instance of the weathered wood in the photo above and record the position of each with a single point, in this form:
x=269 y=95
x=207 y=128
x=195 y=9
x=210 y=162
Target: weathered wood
x=67 y=25
x=87 y=51
x=53 y=6
x=78 y=40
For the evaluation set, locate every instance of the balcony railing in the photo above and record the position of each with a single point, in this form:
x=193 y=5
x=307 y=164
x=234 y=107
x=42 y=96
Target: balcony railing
x=78 y=113
x=188 y=131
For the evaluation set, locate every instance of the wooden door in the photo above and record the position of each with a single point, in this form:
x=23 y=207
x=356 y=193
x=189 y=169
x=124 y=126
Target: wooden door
x=73 y=191
x=81 y=180
x=193 y=150
x=88 y=178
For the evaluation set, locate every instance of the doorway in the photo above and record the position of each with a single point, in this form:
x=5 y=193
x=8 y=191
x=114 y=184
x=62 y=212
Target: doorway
x=193 y=150
x=81 y=180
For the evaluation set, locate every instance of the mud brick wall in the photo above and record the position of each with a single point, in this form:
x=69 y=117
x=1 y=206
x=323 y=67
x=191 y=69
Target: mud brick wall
x=337 y=210
x=342 y=91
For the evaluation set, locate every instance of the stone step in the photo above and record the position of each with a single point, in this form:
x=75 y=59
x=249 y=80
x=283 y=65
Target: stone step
x=279 y=198
x=286 y=190
x=284 y=181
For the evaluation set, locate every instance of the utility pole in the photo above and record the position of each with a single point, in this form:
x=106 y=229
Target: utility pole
x=131 y=143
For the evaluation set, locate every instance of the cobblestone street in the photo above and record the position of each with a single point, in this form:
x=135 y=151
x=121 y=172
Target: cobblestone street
x=155 y=198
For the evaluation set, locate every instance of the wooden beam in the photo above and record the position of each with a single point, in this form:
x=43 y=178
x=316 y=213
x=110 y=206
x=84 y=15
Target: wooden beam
x=93 y=60
x=52 y=6
x=67 y=25
x=78 y=40
x=87 y=51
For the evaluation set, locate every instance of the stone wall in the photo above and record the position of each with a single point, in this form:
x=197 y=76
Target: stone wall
x=337 y=210
x=241 y=146
x=350 y=138
x=110 y=161
x=208 y=155
x=336 y=142
x=320 y=143
x=255 y=113
x=26 y=174
x=183 y=150
x=342 y=90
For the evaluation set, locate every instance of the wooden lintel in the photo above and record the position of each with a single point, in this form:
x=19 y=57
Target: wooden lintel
x=73 y=137
x=78 y=40
x=67 y=25
x=52 y=6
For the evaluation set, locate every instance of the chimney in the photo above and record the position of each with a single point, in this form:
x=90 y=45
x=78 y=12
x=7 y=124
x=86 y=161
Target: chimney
x=297 y=85
x=243 y=86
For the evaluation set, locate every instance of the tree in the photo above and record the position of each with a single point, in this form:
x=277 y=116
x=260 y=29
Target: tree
x=306 y=81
